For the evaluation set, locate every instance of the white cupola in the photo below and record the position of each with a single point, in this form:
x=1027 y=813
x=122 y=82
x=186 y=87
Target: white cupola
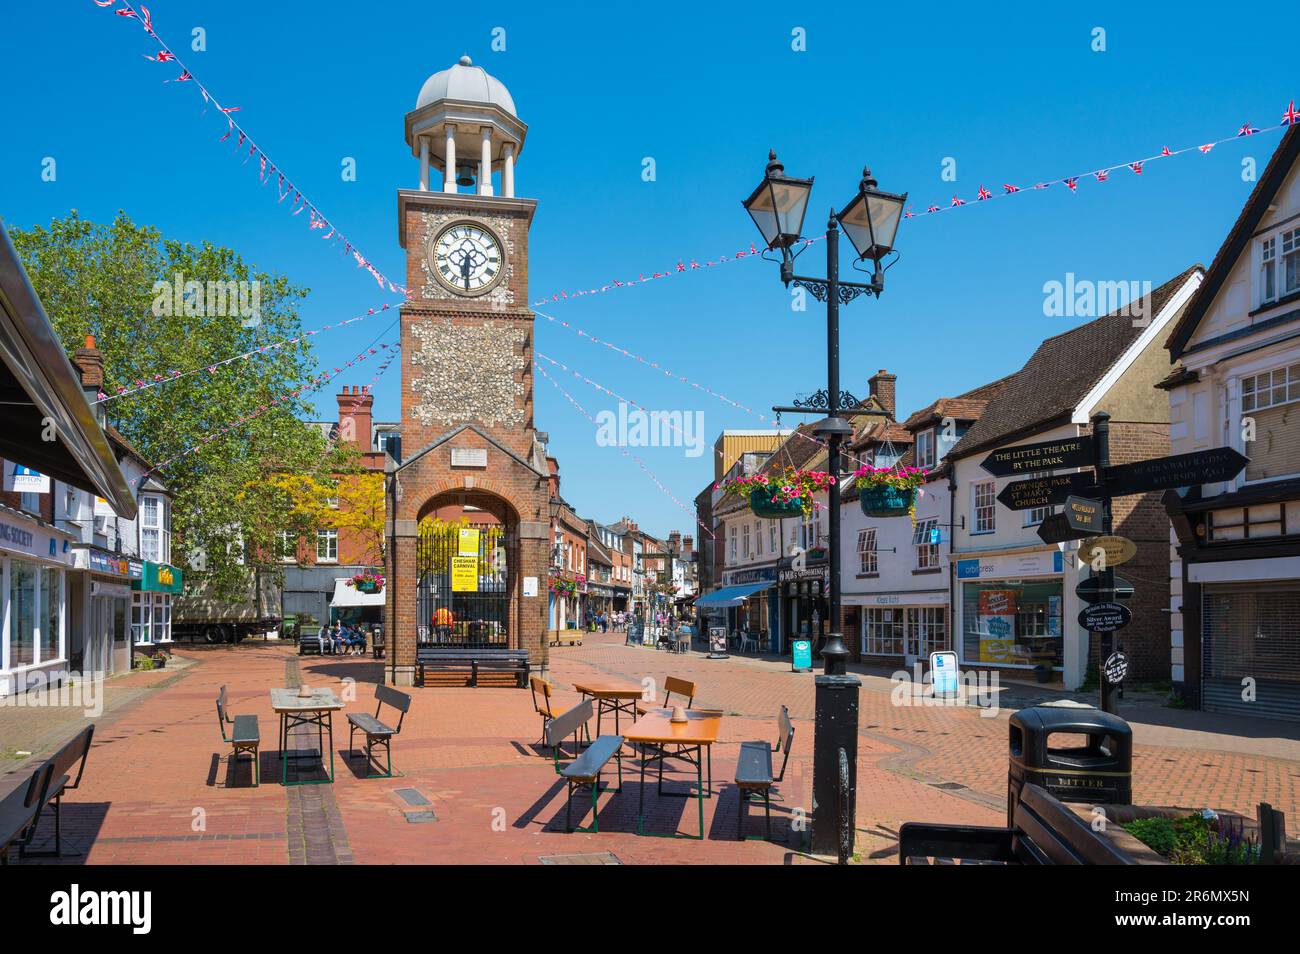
x=464 y=124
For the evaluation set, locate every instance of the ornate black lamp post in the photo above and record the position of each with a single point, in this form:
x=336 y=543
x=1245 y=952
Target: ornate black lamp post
x=871 y=221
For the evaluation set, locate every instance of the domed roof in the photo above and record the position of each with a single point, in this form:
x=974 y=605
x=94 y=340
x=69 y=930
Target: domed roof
x=468 y=83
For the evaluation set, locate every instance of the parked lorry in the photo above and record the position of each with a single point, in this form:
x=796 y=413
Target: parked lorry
x=197 y=615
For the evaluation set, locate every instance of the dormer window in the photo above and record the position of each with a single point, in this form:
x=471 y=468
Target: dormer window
x=925 y=449
x=1279 y=269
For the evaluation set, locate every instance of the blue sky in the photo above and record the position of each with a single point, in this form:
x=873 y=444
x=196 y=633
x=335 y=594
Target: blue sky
x=1014 y=95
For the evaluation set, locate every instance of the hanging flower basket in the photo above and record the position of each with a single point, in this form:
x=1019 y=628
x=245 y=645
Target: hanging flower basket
x=886 y=492
x=563 y=587
x=367 y=582
x=791 y=494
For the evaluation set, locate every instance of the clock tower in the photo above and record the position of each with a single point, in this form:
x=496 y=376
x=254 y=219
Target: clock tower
x=471 y=455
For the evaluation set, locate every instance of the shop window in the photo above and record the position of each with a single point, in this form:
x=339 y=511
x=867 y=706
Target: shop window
x=22 y=613
x=882 y=631
x=1013 y=623
x=141 y=617
x=51 y=606
x=904 y=630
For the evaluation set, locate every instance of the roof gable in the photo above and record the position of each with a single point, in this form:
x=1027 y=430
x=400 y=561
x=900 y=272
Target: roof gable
x=1237 y=241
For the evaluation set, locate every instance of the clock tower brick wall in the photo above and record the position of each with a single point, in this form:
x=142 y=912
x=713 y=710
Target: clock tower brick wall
x=467 y=360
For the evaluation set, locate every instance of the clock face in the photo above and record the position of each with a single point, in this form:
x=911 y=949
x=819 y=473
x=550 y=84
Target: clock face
x=467 y=258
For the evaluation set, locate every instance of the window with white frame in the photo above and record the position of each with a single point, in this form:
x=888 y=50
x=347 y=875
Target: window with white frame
x=925 y=449
x=984 y=506
x=744 y=547
x=758 y=537
x=925 y=539
x=868 y=561
x=774 y=532
x=286 y=545
x=731 y=536
x=1036 y=516
x=1268 y=270
x=1270 y=388
x=327 y=545
x=1290 y=262
x=155 y=529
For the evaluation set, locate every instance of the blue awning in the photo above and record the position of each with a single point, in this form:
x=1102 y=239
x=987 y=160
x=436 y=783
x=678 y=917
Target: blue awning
x=731 y=595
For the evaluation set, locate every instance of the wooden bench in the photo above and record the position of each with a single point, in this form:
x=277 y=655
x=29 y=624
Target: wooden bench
x=566 y=637
x=311 y=643
x=587 y=767
x=474 y=662
x=377 y=732
x=21 y=808
x=244 y=737
x=1043 y=832
x=671 y=684
x=72 y=753
x=754 y=771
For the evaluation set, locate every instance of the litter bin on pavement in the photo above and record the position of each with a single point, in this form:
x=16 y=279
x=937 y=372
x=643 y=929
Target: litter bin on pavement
x=1097 y=772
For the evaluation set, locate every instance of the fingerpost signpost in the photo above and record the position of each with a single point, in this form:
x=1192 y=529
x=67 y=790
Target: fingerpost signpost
x=1087 y=516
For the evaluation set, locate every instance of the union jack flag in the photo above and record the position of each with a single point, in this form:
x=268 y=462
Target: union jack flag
x=1136 y=167
x=1042 y=185
x=1247 y=130
x=1008 y=188
x=1290 y=117
x=1102 y=175
x=1072 y=184
x=932 y=208
x=164 y=56
x=1165 y=151
x=957 y=201
x=909 y=214
x=1206 y=148
x=185 y=77
x=984 y=194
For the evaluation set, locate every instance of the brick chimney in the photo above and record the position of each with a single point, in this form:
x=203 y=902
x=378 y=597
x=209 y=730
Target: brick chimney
x=688 y=544
x=882 y=388
x=90 y=363
x=356 y=404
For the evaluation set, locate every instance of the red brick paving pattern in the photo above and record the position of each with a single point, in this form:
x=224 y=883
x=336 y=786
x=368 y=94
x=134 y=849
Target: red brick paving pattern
x=497 y=799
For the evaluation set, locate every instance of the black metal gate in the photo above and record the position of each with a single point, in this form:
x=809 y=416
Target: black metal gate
x=463 y=596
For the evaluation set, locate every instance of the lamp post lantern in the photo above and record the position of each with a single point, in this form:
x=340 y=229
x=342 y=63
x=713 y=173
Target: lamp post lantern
x=871 y=222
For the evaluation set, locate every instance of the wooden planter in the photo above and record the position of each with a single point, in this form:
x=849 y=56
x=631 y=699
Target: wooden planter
x=1117 y=815
x=761 y=504
x=882 y=500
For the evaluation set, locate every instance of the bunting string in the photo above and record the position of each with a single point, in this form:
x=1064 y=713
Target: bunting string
x=311 y=385
x=626 y=453
x=143 y=384
x=267 y=169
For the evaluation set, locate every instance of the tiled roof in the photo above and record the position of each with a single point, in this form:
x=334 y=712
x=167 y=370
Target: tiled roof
x=1060 y=373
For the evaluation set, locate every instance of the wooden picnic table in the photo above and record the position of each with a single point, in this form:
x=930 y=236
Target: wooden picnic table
x=612 y=695
x=294 y=710
x=693 y=739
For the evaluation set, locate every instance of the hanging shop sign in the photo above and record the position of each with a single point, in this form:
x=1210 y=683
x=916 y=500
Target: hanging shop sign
x=1105 y=617
x=464 y=574
x=818 y=573
x=158 y=578
x=24 y=480
x=1047 y=455
x=1108 y=551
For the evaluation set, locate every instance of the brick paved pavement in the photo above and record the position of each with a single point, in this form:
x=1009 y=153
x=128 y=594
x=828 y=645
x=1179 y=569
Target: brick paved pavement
x=155 y=787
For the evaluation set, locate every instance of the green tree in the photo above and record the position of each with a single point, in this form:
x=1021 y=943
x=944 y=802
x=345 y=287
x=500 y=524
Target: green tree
x=109 y=281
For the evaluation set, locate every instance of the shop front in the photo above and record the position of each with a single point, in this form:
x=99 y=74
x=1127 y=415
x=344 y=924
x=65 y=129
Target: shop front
x=151 y=604
x=901 y=628
x=804 y=608
x=101 y=600
x=758 y=614
x=1013 y=613
x=34 y=559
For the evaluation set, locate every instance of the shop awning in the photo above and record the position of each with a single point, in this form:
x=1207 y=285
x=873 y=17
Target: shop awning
x=731 y=595
x=38 y=385
x=345 y=595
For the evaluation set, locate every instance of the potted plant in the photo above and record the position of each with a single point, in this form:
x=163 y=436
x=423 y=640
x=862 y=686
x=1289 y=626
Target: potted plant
x=888 y=491
x=367 y=581
x=790 y=494
x=562 y=587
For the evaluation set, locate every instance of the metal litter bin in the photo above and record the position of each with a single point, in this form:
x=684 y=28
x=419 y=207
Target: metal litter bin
x=1097 y=772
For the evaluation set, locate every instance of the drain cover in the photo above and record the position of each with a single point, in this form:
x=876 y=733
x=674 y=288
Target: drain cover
x=412 y=796
x=419 y=818
x=948 y=786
